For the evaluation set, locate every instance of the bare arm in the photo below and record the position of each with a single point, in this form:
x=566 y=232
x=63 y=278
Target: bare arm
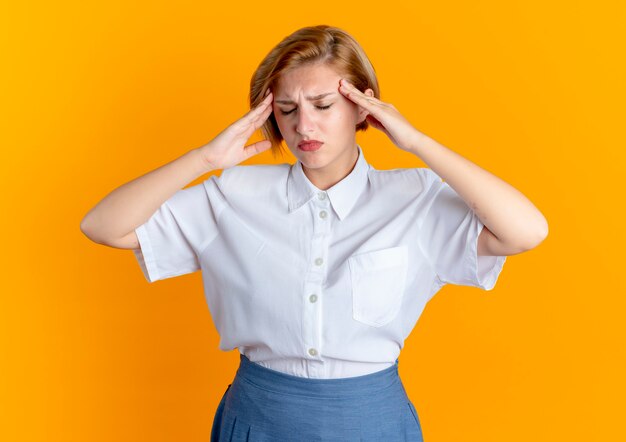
x=512 y=222
x=113 y=220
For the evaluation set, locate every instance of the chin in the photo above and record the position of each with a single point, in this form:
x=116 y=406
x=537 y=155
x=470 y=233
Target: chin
x=315 y=165
x=311 y=164
x=310 y=157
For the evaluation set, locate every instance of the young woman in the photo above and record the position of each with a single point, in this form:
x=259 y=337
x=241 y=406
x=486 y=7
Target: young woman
x=318 y=271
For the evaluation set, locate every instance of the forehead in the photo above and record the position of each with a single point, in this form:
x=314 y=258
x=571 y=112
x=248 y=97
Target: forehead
x=310 y=80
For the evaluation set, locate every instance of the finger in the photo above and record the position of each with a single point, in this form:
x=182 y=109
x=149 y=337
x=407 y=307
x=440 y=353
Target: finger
x=356 y=95
x=262 y=105
x=263 y=114
x=261 y=118
x=257 y=148
x=252 y=114
x=267 y=101
x=374 y=122
x=257 y=122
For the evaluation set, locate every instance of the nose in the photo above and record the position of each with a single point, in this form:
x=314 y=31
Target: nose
x=305 y=121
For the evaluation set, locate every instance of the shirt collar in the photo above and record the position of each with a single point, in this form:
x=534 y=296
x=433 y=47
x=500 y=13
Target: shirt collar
x=342 y=195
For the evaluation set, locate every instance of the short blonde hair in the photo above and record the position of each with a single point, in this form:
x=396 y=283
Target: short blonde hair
x=325 y=44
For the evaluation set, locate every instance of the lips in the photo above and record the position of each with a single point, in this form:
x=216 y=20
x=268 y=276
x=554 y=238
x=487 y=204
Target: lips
x=310 y=145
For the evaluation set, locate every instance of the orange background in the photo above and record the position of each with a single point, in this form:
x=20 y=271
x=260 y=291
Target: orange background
x=96 y=95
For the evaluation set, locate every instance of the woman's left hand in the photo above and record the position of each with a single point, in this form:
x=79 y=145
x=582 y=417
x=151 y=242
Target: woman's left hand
x=384 y=117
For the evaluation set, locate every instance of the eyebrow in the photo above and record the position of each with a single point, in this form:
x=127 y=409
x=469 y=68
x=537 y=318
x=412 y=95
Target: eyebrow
x=316 y=97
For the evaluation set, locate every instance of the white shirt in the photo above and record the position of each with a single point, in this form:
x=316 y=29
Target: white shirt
x=313 y=283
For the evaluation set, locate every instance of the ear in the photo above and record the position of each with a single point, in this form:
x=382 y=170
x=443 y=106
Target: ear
x=362 y=112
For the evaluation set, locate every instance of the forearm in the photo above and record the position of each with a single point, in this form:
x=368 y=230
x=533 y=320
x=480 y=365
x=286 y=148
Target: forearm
x=503 y=209
x=133 y=203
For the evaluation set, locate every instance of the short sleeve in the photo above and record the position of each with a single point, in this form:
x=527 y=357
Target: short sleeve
x=172 y=239
x=448 y=236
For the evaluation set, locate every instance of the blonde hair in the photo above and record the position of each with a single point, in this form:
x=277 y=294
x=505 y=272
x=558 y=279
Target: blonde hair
x=325 y=44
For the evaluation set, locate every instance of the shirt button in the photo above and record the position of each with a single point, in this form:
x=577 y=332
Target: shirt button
x=321 y=195
x=319 y=261
x=313 y=298
x=312 y=351
x=323 y=214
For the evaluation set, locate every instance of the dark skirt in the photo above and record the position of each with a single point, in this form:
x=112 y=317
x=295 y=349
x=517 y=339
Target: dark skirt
x=266 y=405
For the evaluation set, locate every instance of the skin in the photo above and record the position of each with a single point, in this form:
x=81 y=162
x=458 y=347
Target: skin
x=307 y=120
x=512 y=224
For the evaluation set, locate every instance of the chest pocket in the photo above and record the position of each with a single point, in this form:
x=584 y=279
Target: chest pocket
x=378 y=280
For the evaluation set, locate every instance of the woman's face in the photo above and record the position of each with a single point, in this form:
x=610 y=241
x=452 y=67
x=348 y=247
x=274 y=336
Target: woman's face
x=329 y=117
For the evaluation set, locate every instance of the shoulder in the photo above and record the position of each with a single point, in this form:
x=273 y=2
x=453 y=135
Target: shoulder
x=414 y=180
x=248 y=178
x=254 y=173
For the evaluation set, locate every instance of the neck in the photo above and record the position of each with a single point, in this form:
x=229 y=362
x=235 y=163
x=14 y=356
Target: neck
x=326 y=178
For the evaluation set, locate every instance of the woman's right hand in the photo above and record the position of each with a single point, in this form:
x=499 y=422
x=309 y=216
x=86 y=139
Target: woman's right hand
x=228 y=148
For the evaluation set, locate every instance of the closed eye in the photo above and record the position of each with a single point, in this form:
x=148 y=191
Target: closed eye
x=318 y=107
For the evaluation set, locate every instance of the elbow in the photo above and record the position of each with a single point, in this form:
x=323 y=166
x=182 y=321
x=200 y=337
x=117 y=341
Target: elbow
x=542 y=231
x=84 y=227
x=128 y=241
x=87 y=229
x=537 y=236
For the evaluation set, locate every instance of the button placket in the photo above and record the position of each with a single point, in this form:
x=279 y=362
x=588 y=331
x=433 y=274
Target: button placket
x=312 y=314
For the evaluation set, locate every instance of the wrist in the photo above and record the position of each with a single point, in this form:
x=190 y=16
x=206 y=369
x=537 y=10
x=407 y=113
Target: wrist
x=417 y=143
x=201 y=163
